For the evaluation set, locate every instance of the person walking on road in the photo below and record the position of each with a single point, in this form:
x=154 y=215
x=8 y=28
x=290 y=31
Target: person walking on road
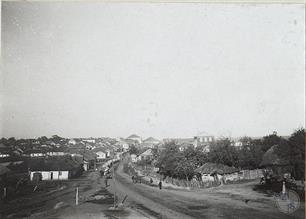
x=105 y=181
x=160 y=185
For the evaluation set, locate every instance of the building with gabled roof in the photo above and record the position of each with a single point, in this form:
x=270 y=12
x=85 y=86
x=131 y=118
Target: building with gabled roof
x=100 y=152
x=135 y=138
x=60 y=168
x=150 y=142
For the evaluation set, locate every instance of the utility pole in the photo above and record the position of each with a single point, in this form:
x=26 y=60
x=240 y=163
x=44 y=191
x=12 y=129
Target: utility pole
x=114 y=178
x=77 y=196
x=4 y=192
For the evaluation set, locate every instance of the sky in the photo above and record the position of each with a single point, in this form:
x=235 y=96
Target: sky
x=164 y=70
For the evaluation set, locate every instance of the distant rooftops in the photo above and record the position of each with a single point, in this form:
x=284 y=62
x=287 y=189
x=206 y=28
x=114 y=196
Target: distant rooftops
x=151 y=139
x=133 y=136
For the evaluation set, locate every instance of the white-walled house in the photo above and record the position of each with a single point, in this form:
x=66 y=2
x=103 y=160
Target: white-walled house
x=51 y=175
x=72 y=141
x=89 y=140
x=148 y=154
x=125 y=146
x=4 y=153
x=101 y=155
x=134 y=158
x=54 y=168
x=100 y=152
x=35 y=153
x=55 y=152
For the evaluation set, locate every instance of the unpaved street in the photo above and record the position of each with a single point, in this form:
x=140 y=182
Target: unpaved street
x=143 y=201
x=229 y=201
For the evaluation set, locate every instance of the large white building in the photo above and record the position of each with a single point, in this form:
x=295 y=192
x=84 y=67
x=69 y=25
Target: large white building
x=203 y=140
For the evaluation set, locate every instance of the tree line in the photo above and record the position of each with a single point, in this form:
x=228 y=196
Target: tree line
x=181 y=164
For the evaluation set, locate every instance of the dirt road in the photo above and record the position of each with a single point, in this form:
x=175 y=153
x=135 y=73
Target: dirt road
x=58 y=201
x=229 y=201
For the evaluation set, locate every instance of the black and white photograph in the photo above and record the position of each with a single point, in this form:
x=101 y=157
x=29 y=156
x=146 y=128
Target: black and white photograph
x=160 y=110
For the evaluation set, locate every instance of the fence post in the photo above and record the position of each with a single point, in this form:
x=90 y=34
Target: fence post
x=77 y=196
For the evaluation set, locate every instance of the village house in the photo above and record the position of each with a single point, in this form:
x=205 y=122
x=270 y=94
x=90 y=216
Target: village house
x=218 y=173
x=72 y=141
x=133 y=158
x=184 y=146
x=100 y=152
x=90 y=146
x=124 y=144
x=4 y=152
x=35 y=153
x=89 y=140
x=146 y=155
x=86 y=157
x=54 y=169
x=55 y=152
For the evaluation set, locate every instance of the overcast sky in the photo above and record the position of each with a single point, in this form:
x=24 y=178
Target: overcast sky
x=163 y=70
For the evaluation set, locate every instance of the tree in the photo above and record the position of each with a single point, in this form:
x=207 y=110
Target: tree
x=133 y=150
x=250 y=156
x=57 y=139
x=11 y=141
x=223 y=152
x=270 y=140
x=293 y=151
x=169 y=158
x=3 y=141
x=185 y=168
x=42 y=139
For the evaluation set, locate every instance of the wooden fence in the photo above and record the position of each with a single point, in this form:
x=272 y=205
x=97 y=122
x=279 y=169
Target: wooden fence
x=243 y=175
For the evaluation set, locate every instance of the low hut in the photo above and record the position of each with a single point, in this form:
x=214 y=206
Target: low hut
x=216 y=172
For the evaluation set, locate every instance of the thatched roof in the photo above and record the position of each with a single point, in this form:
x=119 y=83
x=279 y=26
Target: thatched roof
x=270 y=158
x=212 y=168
